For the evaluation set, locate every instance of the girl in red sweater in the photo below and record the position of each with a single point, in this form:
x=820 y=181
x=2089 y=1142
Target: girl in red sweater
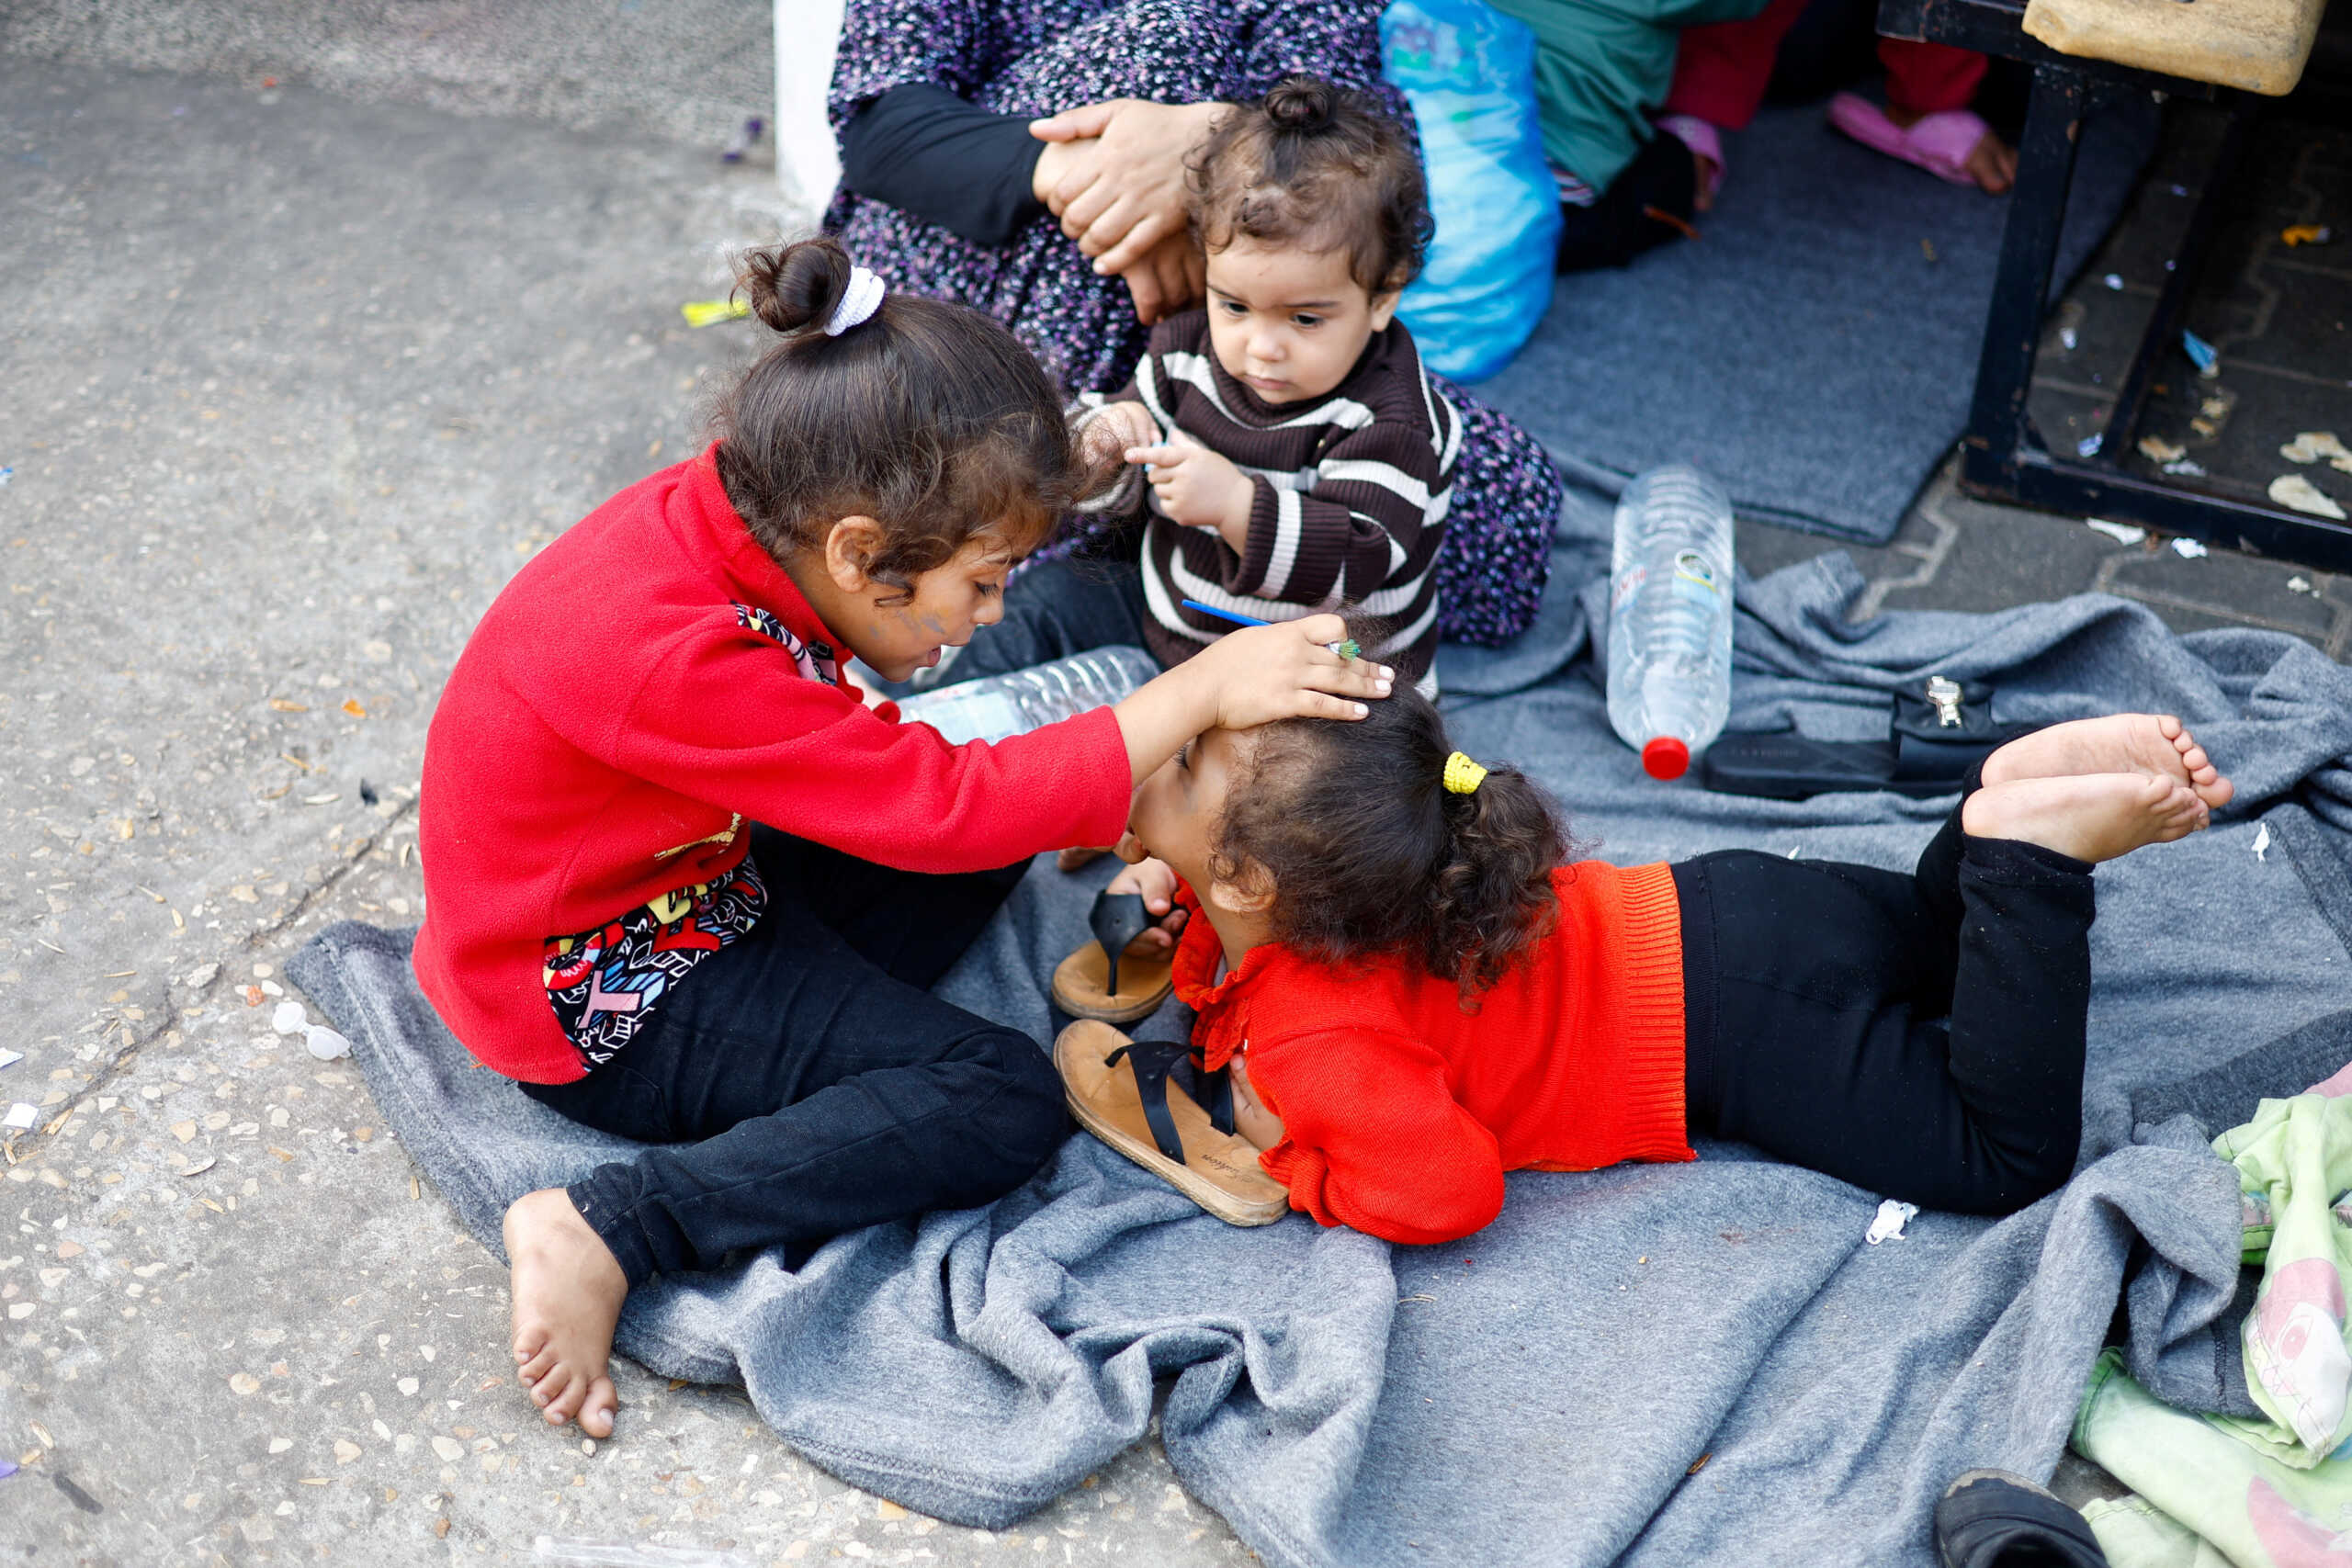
x=687 y=888
x=1412 y=995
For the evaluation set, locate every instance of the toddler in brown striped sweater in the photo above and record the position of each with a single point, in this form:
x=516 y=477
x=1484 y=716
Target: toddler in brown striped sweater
x=1290 y=453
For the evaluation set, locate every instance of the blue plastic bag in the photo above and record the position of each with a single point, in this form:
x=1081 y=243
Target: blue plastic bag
x=1469 y=72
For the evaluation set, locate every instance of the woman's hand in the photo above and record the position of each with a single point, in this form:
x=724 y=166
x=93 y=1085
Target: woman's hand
x=1251 y=1117
x=1157 y=882
x=1198 y=488
x=1171 y=275
x=1119 y=191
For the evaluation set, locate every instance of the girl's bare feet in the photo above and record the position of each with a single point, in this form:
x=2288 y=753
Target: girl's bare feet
x=568 y=1292
x=2091 y=817
x=2154 y=743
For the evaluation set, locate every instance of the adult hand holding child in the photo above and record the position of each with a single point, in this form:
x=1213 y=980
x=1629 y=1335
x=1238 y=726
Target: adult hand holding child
x=1113 y=174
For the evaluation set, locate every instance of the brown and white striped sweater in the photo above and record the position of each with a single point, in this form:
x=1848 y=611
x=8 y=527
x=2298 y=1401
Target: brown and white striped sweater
x=1350 y=496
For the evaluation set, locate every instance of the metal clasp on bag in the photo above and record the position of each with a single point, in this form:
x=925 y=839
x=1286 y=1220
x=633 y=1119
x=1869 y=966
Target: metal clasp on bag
x=1944 y=692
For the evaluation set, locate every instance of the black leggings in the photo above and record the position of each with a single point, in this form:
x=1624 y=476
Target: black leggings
x=804 y=1081
x=1919 y=1037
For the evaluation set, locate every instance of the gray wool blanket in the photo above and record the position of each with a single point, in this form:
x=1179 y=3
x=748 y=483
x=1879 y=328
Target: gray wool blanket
x=1659 y=1366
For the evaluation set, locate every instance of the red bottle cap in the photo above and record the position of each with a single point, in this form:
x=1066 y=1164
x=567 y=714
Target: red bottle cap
x=1666 y=758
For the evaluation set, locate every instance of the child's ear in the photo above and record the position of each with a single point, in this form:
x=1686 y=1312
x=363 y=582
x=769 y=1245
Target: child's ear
x=1249 y=891
x=849 y=544
x=1384 y=310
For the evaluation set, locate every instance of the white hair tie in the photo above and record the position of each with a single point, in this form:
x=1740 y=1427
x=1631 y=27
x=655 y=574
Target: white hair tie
x=859 y=301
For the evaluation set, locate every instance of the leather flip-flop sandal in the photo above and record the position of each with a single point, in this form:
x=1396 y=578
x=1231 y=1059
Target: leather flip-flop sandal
x=1103 y=980
x=1119 y=1090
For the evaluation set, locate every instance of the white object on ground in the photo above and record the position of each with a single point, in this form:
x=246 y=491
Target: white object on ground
x=2296 y=492
x=2310 y=445
x=325 y=1044
x=10 y=1058
x=1888 y=1225
x=2189 y=549
x=287 y=1018
x=20 y=1116
x=2121 y=533
x=2262 y=842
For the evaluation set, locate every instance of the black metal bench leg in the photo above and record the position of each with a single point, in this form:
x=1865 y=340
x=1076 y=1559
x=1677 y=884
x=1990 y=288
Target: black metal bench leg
x=1996 y=420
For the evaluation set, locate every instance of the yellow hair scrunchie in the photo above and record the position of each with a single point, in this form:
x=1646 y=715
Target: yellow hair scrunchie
x=1463 y=776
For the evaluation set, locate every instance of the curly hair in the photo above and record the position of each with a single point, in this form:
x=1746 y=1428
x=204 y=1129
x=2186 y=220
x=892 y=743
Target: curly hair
x=1369 y=854
x=1321 y=167
x=929 y=417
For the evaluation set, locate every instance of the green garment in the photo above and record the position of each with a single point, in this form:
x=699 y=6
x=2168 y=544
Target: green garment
x=1600 y=67
x=2261 y=1494
x=2205 y=1492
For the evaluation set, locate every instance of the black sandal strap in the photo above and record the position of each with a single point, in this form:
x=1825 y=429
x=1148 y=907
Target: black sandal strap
x=1116 y=920
x=1217 y=1098
x=1151 y=1061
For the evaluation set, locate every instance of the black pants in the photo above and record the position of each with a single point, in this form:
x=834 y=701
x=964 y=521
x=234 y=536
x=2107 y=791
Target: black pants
x=1920 y=1036
x=804 y=1081
x=1055 y=608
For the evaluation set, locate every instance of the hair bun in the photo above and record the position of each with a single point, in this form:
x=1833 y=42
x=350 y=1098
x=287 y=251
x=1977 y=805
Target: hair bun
x=795 y=287
x=1301 y=104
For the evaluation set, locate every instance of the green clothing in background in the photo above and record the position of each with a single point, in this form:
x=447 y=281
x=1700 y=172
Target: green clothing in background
x=1601 y=66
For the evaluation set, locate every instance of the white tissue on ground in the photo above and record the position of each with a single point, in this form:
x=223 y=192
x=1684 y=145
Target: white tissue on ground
x=1891 y=1219
x=325 y=1044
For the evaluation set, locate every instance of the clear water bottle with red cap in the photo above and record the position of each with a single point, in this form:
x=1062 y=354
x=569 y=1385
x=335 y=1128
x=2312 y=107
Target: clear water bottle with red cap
x=1669 y=617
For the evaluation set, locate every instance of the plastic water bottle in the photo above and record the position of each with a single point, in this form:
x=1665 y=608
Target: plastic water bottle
x=997 y=706
x=1669 y=617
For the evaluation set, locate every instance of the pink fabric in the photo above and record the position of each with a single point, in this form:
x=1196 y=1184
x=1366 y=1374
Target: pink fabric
x=1938 y=144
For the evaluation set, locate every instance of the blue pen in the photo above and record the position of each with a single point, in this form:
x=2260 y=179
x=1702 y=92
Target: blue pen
x=1347 y=649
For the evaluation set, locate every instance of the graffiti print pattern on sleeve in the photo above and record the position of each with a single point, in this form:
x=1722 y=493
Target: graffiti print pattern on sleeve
x=603 y=983
x=816 y=660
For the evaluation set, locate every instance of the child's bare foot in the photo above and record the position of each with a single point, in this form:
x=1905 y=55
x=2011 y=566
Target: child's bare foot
x=2154 y=743
x=2091 y=817
x=568 y=1292
x=1991 y=163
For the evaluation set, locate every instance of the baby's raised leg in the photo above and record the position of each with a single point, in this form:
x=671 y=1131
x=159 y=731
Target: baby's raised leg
x=2154 y=743
x=568 y=1292
x=2091 y=816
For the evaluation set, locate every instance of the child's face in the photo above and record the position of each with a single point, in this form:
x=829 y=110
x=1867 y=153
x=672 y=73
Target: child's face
x=1175 y=813
x=949 y=602
x=1289 y=324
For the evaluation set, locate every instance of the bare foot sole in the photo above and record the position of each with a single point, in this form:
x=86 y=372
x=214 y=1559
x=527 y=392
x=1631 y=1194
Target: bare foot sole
x=2153 y=744
x=2091 y=817
x=568 y=1292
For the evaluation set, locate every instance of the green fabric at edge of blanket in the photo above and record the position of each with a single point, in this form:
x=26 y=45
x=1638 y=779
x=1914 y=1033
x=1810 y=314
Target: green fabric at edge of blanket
x=1601 y=66
x=2208 y=1481
x=2294 y=1162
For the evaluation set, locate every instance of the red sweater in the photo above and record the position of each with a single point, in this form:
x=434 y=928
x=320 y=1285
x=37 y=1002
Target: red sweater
x=645 y=686
x=1400 y=1112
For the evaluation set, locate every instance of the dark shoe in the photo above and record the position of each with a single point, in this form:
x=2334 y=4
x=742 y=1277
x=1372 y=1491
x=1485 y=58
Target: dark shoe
x=1103 y=980
x=1990 y=1518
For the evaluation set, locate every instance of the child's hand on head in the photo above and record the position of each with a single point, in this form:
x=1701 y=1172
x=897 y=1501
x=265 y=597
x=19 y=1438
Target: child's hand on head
x=1287 y=671
x=1157 y=882
x=1198 y=488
